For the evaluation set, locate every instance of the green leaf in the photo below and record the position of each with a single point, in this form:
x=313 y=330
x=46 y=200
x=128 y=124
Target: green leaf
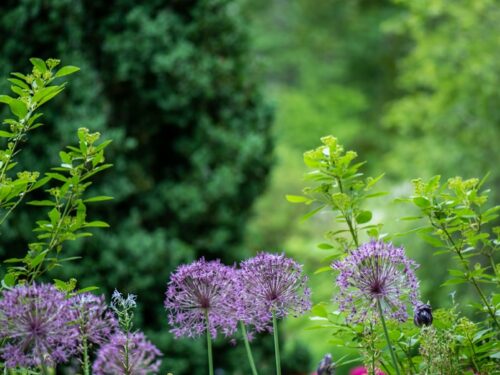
x=98 y=199
x=47 y=93
x=20 y=75
x=296 y=199
x=410 y=218
x=325 y=246
x=378 y=194
x=364 y=217
x=311 y=213
x=19 y=83
x=372 y=181
x=9 y=280
x=319 y=310
x=57 y=176
x=453 y=282
x=39 y=64
x=323 y=269
x=6 y=99
x=42 y=203
x=88 y=289
x=38 y=259
x=66 y=70
x=421 y=202
x=54 y=216
x=19 y=91
x=97 y=224
x=18 y=108
x=40 y=183
x=5 y=134
x=103 y=145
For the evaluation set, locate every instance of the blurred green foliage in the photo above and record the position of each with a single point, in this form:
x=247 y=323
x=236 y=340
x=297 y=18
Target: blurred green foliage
x=172 y=83
x=410 y=85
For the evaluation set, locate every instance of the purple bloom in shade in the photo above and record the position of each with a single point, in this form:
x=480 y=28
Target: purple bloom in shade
x=143 y=356
x=38 y=326
x=199 y=290
x=93 y=318
x=272 y=283
x=376 y=271
x=422 y=315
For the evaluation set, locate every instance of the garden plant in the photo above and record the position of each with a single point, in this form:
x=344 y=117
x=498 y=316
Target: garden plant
x=49 y=325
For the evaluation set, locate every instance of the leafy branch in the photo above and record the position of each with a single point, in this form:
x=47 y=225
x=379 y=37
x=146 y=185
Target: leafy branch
x=339 y=186
x=457 y=224
x=67 y=219
x=32 y=90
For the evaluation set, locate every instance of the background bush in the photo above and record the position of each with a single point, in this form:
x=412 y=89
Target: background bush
x=171 y=82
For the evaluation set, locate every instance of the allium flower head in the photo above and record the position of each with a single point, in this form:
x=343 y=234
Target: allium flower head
x=376 y=271
x=93 y=318
x=199 y=290
x=143 y=356
x=37 y=324
x=272 y=283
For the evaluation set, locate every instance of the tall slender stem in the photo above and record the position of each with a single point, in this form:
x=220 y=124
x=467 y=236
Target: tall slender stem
x=348 y=217
x=127 y=356
x=209 y=347
x=393 y=356
x=86 y=361
x=276 y=345
x=249 y=350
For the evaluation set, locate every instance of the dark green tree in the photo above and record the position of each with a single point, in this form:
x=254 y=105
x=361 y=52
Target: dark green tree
x=172 y=83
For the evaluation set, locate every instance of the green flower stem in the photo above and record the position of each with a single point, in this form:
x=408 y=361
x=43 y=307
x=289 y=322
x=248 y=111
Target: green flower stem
x=249 y=350
x=86 y=360
x=393 y=356
x=276 y=345
x=44 y=369
x=209 y=348
x=127 y=360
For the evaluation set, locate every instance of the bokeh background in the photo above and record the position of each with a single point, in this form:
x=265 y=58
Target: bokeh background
x=210 y=105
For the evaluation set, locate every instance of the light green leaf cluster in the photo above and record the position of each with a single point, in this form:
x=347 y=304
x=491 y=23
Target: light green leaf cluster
x=458 y=222
x=67 y=217
x=338 y=185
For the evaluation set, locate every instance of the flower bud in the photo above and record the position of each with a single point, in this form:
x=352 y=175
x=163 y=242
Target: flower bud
x=423 y=315
x=326 y=366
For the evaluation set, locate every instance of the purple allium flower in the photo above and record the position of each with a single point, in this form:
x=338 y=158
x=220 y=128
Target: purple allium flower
x=376 y=271
x=199 y=290
x=37 y=324
x=93 y=318
x=142 y=356
x=422 y=315
x=272 y=283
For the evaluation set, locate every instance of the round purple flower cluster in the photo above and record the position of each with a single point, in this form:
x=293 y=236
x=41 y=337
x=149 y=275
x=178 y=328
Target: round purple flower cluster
x=272 y=284
x=208 y=293
x=202 y=293
x=141 y=358
x=376 y=272
x=37 y=324
x=94 y=320
x=41 y=327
